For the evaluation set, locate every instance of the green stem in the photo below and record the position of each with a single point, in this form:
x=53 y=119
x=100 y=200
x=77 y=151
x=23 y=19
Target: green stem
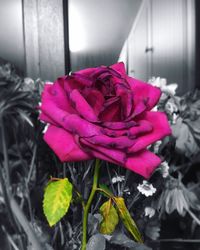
x=89 y=202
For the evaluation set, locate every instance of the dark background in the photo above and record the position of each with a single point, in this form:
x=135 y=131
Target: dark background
x=159 y=39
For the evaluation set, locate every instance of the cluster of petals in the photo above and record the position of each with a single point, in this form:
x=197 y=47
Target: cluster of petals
x=146 y=188
x=103 y=113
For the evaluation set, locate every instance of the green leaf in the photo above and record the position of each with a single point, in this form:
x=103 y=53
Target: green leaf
x=127 y=219
x=57 y=198
x=110 y=218
x=107 y=192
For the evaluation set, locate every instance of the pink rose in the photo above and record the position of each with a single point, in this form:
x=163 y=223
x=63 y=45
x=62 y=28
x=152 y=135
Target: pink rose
x=103 y=113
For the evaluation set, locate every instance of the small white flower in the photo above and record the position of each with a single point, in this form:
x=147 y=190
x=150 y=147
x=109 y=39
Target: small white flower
x=158 y=82
x=28 y=81
x=146 y=189
x=45 y=128
x=149 y=211
x=162 y=84
x=118 y=179
x=164 y=168
x=156 y=146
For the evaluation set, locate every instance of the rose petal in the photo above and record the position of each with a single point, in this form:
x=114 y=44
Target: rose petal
x=143 y=163
x=161 y=129
x=71 y=122
x=45 y=118
x=120 y=67
x=126 y=98
x=119 y=125
x=127 y=103
x=55 y=103
x=79 y=126
x=138 y=109
x=111 y=110
x=82 y=79
x=144 y=92
x=52 y=111
x=121 y=142
x=70 y=83
x=95 y=99
x=111 y=100
x=141 y=127
x=99 y=71
x=105 y=76
x=64 y=145
x=104 y=70
x=111 y=155
x=56 y=94
x=82 y=106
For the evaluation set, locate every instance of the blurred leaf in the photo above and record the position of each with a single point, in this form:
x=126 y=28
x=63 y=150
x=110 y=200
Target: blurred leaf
x=110 y=218
x=4 y=239
x=93 y=223
x=187 y=127
x=96 y=242
x=25 y=117
x=121 y=239
x=107 y=190
x=185 y=141
x=42 y=231
x=176 y=197
x=191 y=198
x=57 y=198
x=152 y=230
x=45 y=246
x=127 y=219
x=194 y=127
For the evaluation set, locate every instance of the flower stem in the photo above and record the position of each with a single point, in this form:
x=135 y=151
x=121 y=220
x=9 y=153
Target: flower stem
x=88 y=204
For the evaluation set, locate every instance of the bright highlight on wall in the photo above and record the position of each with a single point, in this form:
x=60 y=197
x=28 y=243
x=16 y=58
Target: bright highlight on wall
x=77 y=35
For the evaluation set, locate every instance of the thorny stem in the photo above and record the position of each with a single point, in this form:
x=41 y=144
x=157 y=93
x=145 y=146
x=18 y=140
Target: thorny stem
x=88 y=204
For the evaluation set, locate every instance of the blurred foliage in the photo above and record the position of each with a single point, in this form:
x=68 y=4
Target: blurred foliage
x=26 y=165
